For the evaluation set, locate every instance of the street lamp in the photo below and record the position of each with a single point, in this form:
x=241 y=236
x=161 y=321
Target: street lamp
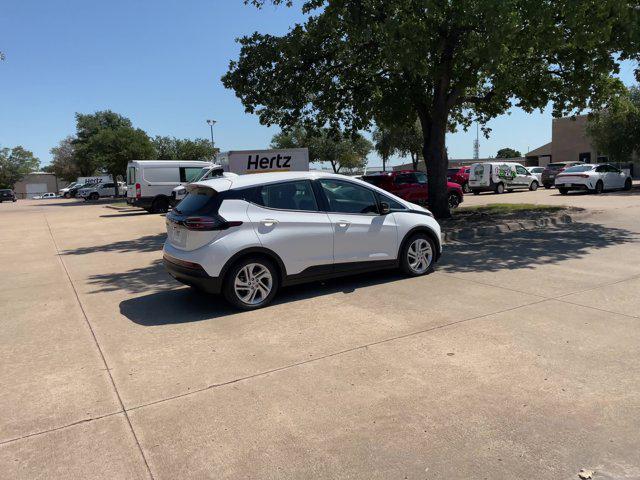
x=211 y=124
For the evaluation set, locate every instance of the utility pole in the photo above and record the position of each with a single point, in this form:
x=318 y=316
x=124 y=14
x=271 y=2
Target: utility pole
x=211 y=124
x=476 y=144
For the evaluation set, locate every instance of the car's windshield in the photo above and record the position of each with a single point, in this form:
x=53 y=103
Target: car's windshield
x=452 y=171
x=579 y=168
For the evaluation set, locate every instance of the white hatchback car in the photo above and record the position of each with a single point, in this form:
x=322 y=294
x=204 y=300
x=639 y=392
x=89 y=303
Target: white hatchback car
x=246 y=236
x=592 y=177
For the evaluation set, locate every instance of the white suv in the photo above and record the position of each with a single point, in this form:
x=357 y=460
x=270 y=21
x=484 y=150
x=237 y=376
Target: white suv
x=246 y=236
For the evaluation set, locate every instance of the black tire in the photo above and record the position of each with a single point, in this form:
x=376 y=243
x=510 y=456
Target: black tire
x=534 y=186
x=466 y=188
x=563 y=191
x=476 y=192
x=599 y=187
x=453 y=200
x=547 y=186
x=67 y=195
x=94 y=196
x=499 y=188
x=160 y=205
x=628 y=184
x=404 y=255
x=228 y=283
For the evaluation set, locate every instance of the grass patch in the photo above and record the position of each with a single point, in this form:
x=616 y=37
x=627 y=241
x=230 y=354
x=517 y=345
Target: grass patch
x=506 y=208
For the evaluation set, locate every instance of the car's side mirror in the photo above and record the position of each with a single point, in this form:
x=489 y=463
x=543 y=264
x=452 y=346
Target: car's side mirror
x=384 y=208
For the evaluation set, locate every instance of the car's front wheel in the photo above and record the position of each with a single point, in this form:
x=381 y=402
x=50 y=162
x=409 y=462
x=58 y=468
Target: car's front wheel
x=500 y=188
x=251 y=283
x=599 y=187
x=534 y=186
x=94 y=196
x=628 y=184
x=454 y=200
x=563 y=191
x=418 y=255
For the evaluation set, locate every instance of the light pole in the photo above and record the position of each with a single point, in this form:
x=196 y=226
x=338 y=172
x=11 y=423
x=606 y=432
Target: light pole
x=211 y=124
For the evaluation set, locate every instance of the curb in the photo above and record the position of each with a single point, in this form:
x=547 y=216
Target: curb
x=471 y=233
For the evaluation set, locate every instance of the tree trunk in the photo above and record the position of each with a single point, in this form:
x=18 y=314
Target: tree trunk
x=384 y=164
x=434 y=130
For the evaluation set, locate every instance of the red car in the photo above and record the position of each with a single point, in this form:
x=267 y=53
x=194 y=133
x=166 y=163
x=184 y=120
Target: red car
x=460 y=176
x=411 y=185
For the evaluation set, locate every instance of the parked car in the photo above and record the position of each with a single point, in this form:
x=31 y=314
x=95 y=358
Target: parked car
x=45 y=196
x=500 y=176
x=7 y=195
x=66 y=191
x=460 y=176
x=99 y=190
x=411 y=185
x=536 y=172
x=552 y=169
x=150 y=183
x=594 y=178
x=206 y=173
x=246 y=236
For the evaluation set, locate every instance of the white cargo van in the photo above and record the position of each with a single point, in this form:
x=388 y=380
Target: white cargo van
x=151 y=182
x=500 y=176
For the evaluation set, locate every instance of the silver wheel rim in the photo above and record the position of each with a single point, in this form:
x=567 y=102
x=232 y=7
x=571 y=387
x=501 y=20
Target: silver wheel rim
x=253 y=283
x=419 y=255
x=453 y=201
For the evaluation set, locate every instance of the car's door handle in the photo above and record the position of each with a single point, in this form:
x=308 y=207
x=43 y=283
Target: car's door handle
x=269 y=222
x=343 y=223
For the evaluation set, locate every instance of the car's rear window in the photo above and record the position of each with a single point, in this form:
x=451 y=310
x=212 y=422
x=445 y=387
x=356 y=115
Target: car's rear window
x=376 y=180
x=553 y=166
x=579 y=168
x=200 y=201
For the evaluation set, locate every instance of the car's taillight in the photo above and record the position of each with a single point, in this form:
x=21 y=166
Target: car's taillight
x=138 y=191
x=208 y=223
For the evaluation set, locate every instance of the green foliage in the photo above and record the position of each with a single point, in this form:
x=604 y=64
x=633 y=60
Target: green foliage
x=508 y=153
x=615 y=130
x=398 y=140
x=171 y=148
x=64 y=164
x=107 y=141
x=356 y=62
x=15 y=163
x=342 y=152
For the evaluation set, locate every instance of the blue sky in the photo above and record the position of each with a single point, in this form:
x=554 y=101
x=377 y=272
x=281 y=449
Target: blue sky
x=158 y=63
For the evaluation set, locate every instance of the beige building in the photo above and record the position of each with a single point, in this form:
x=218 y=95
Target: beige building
x=37 y=183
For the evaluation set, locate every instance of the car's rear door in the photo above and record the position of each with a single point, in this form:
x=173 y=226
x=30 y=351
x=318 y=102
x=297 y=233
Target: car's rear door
x=360 y=233
x=288 y=221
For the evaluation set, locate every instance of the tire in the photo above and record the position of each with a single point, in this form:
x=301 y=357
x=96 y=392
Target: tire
x=476 y=192
x=547 y=186
x=160 y=205
x=252 y=266
x=563 y=191
x=408 y=261
x=510 y=190
x=94 y=196
x=67 y=195
x=534 y=186
x=453 y=200
x=466 y=188
x=599 y=187
x=500 y=188
x=628 y=184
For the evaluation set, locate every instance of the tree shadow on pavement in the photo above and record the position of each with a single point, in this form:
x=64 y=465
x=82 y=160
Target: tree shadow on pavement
x=148 y=243
x=528 y=248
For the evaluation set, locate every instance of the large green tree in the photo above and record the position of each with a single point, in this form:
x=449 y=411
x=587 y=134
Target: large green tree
x=107 y=141
x=343 y=153
x=508 y=153
x=15 y=163
x=171 y=148
x=355 y=62
x=402 y=140
x=615 y=130
x=64 y=163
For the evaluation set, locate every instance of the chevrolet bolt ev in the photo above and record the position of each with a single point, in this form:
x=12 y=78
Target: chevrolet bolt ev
x=247 y=236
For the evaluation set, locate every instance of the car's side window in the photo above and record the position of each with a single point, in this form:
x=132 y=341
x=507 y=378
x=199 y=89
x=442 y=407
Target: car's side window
x=394 y=206
x=347 y=197
x=403 y=178
x=421 y=177
x=297 y=195
x=601 y=169
x=521 y=170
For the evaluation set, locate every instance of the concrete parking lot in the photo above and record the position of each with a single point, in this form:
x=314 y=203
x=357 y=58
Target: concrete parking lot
x=519 y=357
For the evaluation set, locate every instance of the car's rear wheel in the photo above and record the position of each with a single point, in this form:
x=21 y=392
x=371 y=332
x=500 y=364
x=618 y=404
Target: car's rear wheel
x=628 y=184
x=599 y=187
x=547 y=186
x=500 y=188
x=251 y=283
x=476 y=192
x=454 y=200
x=67 y=195
x=466 y=188
x=534 y=186
x=418 y=255
x=563 y=191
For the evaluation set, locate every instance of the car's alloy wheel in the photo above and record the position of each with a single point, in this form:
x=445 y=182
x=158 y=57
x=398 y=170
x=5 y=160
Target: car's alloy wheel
x=534 y=186
x=599 y=187
x=251 y=284
x=418 y=255
x=454 y=201
x=500 y=188
x=466 y=188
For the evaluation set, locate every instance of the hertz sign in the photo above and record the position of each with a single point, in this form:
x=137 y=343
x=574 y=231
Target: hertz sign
x=259 y=161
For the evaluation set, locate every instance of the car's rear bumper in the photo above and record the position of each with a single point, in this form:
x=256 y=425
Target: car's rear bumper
x=572 y=186
x=191 y=274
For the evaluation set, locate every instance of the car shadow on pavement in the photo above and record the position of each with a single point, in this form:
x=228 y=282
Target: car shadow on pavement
x=148 y=243
x=529 y=248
